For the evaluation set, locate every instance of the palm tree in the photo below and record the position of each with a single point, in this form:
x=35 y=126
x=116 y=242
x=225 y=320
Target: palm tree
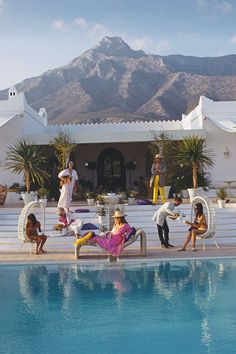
x=27 y=159
x=192 y=151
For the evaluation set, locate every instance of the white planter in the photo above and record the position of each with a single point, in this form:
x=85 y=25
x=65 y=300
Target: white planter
x=194 y=192
x=131 y=201
x=90 y=201
x=167 y=191
x=29 y=197
x=102 y=219
x=185 y=193
x=12 y=197
x=44 y=201
x=221 y=203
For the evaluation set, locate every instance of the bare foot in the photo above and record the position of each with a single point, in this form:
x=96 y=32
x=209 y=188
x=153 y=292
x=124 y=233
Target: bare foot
x=42 y=251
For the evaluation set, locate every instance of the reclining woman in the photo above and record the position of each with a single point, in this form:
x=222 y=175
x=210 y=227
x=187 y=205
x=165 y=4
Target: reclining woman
x=113 y=241
x=34 y=233
x=69 y=224
x=198 y=227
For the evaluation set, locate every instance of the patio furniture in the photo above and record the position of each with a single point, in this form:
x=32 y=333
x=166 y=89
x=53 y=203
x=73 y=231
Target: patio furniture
x=37 y=208
x=3 y=194
x=229 y=183
x=210 y=216
x=140 y=234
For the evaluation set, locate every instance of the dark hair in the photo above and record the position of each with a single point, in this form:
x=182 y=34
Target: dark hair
x=199 y=209
x=32 y=218
x=178 y=199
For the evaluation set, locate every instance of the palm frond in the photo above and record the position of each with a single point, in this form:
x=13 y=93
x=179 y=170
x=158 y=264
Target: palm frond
x=26 y=158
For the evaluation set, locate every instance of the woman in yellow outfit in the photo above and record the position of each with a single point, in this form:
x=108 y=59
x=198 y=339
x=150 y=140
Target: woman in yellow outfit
x=158 y=171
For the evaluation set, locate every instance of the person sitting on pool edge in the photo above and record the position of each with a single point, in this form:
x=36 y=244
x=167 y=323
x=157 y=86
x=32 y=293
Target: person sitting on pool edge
x=198 y=227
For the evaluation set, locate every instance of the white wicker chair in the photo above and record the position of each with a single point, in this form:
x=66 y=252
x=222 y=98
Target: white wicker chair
x=210 y=216
x=36 y=208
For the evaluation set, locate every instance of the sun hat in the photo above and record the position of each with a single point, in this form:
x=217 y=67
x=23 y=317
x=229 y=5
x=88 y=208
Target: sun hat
x=118 y=214
x=158 y=156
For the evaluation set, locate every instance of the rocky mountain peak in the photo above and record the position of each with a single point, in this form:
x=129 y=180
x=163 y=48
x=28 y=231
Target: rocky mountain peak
x=115 y=46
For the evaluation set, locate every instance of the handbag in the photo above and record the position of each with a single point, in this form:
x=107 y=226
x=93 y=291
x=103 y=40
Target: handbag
x=151 y=180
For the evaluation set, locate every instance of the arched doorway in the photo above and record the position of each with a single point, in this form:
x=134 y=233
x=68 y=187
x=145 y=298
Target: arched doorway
x=111 y=170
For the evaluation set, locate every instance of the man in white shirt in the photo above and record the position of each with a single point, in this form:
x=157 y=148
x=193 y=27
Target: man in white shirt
x=74 y=177
x=160 y=219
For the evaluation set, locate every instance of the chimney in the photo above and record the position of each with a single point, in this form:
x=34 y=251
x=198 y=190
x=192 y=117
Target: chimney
x=44 y=115
x=12 y=92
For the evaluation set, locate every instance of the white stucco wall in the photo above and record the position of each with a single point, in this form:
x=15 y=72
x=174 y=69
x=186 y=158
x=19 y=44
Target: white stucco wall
x=9 y=134
x=225 y=167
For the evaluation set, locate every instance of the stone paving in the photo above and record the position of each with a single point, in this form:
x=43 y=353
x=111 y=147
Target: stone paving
x=92 y=256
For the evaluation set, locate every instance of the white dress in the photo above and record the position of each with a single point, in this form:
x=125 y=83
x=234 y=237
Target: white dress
x=65 y=197
x=74 y=178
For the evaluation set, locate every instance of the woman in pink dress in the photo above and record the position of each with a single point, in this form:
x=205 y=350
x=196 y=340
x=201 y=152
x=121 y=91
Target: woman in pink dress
x=113 y=241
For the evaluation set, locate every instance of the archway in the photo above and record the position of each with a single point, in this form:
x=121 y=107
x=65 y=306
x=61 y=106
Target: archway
x=111 y=170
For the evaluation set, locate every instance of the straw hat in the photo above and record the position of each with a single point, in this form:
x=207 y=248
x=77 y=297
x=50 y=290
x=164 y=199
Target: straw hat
x=118 y=214
x=158 y=156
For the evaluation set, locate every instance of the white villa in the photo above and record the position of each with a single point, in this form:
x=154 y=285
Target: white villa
x=112 y=145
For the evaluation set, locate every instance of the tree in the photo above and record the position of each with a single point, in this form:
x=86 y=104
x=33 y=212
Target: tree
x=192 y=152
x=27 y=158
x=63 y=146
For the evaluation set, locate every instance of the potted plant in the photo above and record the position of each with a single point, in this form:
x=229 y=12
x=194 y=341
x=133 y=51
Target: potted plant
x=102 y=213
x=27 y=159
x=131 y=197
x=222 y=195
x=193 y=153
x=100 y=199
x=90 y=198
x=42 y=194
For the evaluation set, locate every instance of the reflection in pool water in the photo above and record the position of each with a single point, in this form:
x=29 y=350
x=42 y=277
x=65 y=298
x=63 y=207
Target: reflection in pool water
x=169 y=307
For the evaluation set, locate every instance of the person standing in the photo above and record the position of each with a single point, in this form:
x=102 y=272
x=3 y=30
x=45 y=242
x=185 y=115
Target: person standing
x=74 y=178
x=65 y=197
x=159 y=218
x=158 y=171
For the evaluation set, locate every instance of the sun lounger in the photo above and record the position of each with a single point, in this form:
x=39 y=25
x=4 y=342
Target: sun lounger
x=139 y=234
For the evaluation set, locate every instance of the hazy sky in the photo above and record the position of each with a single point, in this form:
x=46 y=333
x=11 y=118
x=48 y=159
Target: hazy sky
x=37 y=35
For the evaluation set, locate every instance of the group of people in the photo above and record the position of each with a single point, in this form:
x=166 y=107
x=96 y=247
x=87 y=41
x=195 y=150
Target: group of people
x=197 y=227
x=113 y=241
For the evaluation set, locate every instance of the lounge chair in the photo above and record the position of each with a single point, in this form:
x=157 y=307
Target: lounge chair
x=38 y=209
x=140 y=234
x=211 y=219
x=3 y=194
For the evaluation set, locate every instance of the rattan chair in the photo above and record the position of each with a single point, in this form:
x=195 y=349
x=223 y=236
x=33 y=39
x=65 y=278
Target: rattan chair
x=36 y=208
x=210 y=216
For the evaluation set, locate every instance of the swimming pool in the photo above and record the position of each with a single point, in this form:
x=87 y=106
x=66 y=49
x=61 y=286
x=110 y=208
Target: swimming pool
x=167 y=307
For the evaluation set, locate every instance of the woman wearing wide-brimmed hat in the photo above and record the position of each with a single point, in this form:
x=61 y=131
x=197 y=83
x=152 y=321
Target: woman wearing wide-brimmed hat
x=157 y=180
x=113 y=241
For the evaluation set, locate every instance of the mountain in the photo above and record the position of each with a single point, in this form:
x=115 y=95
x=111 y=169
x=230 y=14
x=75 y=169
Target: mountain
x=113 y=83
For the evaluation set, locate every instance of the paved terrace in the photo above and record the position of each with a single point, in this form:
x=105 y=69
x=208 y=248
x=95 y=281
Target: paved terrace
x=60 y=250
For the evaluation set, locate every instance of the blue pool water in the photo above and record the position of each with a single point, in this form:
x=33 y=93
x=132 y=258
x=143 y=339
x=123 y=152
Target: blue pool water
x=167 y=307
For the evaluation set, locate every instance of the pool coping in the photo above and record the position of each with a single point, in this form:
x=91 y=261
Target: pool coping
x=123 y=262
